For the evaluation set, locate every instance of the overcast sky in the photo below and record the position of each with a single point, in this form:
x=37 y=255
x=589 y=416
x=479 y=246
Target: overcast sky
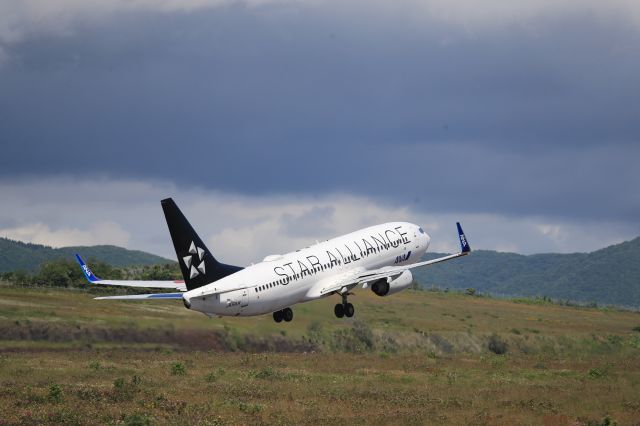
x=277 y=123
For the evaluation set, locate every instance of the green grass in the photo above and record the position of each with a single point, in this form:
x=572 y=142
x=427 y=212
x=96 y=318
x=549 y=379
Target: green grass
x=404 y=359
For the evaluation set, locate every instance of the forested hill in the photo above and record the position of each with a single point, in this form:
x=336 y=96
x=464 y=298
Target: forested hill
x=607 y=276
x=16 y=255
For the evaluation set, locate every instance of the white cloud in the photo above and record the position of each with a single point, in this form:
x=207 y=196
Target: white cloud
x=96 y=234
x=241 y=229
x=488 y=14
x=19 y=18
x=555 y=232
x=22 y=18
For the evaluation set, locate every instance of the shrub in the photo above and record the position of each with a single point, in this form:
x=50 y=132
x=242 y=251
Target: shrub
x=363 y=333
x=62 y=416
x=178 y=369
x=614 y=339
x=314 y=330
x=359 y=338
x=470 y=291
x=595 y=373
x=214 y=375
x=441 y=343
x=452 y=376
x=123 y=391
x=55 y=394
x=249 y=408
x=497 y=345
x=137 y=419
x=265 y=373
x=636 y=328
x=88 y=394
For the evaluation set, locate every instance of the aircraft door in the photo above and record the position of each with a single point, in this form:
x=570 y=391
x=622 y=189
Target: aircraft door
x=244 y=301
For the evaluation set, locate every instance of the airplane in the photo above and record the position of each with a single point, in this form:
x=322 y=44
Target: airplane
x=379 y=257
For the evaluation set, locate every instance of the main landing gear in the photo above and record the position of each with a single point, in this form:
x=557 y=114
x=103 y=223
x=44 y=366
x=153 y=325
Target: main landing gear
x=344 y=309
x=285 y=314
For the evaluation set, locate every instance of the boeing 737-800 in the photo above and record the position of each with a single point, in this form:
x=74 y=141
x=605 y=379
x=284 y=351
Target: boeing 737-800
x=379 y=257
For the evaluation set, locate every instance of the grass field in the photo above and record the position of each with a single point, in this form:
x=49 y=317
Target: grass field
x=412 y=358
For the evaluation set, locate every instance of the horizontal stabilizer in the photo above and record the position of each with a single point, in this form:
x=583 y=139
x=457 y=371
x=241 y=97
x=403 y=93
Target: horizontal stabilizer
x=174 y=284
x=143 y=296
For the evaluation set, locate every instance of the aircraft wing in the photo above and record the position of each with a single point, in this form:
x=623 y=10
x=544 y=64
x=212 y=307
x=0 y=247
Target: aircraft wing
x=340 y=284
x=344 y=283
x=175 y=285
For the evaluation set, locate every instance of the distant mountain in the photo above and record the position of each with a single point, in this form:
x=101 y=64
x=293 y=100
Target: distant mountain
x=607 y=276
x=16 y=255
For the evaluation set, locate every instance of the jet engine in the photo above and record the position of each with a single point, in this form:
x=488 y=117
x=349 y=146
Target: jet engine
x=388 y=286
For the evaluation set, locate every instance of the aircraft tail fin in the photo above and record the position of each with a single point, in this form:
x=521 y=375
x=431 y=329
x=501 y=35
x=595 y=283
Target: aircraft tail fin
x=197 y=264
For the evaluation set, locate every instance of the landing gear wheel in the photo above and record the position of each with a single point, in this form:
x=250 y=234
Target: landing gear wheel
x=349 y=310
x=277 y=316
x=339 y=310
x=287 y=314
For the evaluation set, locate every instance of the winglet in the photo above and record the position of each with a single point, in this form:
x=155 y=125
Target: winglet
x=87 y=272
x=464 y=244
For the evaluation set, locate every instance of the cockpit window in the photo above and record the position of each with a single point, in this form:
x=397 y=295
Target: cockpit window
x=421 y=230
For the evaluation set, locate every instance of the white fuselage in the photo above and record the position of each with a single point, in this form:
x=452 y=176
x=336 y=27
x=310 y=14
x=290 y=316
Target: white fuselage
x=281 y=281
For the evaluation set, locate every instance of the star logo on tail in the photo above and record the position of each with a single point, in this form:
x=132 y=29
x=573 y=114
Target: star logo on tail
x=190 y=262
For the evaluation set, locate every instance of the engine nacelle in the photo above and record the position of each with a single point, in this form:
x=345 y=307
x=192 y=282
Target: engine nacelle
x=386 y=287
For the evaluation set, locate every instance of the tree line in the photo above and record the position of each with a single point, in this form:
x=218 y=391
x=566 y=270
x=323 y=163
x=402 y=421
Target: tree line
x=67 y=273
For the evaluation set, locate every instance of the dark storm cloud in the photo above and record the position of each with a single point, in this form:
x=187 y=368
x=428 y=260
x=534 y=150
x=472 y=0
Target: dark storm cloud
x=534 y=119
